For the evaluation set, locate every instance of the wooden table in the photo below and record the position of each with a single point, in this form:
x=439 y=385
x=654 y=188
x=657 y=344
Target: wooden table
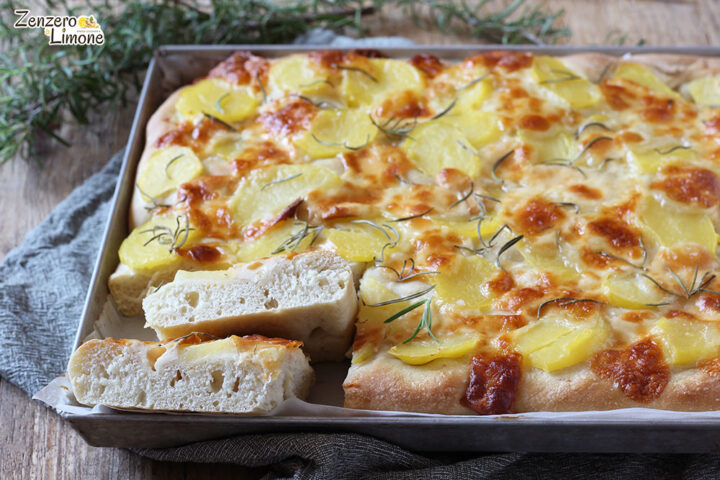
x=36 y=443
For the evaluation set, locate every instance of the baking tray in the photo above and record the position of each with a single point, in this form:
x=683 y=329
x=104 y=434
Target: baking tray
x=434 y=432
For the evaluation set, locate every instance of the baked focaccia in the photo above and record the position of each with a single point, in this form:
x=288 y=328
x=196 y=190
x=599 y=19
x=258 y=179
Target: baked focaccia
x=194 y=373
x=529 y=233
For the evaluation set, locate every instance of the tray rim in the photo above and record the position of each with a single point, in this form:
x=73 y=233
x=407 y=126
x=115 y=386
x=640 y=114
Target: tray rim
x=131 y=155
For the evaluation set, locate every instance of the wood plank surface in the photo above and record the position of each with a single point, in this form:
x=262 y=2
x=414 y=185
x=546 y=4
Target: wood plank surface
x=35 y=442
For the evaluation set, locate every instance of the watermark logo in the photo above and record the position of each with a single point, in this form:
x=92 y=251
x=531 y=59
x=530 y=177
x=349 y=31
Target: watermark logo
x=65 y=29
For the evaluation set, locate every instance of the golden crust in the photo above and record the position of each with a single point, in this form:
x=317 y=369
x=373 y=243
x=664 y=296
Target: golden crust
x=386 y=383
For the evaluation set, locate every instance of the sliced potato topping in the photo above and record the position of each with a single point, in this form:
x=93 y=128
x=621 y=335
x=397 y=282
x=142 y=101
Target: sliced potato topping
x=297 y=73
x=422 y=351
x=269 y=191
x=642 y=75
x=437 y=145
x=269 y=243
x=634 y=292
x=556 y=342
x=554 y=75
x=650 y=161
x=669 y=226
x=166 y=169
x=337 y=131
x=356 y=242
x=370 y=84
x=229 y=103
x=461 y=283
x=686 y=342
x=705 y=91
x=152 y=246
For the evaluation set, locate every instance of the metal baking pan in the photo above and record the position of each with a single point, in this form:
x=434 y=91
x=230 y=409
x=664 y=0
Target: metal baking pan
x=436 y=432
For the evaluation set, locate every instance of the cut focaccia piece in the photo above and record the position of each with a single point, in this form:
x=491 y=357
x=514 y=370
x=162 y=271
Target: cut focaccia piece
x=249 y=375
x=308 y=297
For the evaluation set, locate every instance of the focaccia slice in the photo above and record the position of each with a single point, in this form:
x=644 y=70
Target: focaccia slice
x=308 y=296
x=249 y=375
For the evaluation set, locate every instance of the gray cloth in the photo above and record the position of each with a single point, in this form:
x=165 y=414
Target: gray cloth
x=43 y=283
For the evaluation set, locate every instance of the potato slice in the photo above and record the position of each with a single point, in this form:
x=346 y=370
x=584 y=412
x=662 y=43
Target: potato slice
x=705 y=91
x=389 y=77
x=650 y=161
x=642 y=75
x=470 y=99
x=166 y=169
x=461 y=284
x=556 y=147
x=356 y=242
x=422 y=351
x=478 y=127
x=149 y=248
x=297 y=73
x=555 y=76
x=372 y=292
x=669 y=227
x=229 y=103
x=555 y=342
x=633 y=292
x=266 y=192
x=436 y=145
x=686 y=342
x=337 y=131
x=270 y=241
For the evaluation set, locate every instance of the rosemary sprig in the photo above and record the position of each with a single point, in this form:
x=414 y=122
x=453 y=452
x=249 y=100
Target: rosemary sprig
x=344 y=144
x=407 y=271
x=152 y=200
x=406 y=298
x=396 y=127
x=291 y=243
x=355 y=69
x=39 y=83
x=590 y=125
x=221 y=122
x=672 y=149
x=262 y=88
x=172 y=160
x=504 y=249
x=218 y=104
x=473 y=82
x=587 y=147
x=446 y=110
x=425 y=320
x=565 y=76
x=164 y=235
x=464 y=197
x=281 y=180
x=498 y=163
x=564 y=301
x=567 y=164
x=506 y=26
x=412 y=217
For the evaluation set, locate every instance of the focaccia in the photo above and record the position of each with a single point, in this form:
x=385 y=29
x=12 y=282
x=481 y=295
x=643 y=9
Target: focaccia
x=529 y=232
x=194 y=373
x=308 y=297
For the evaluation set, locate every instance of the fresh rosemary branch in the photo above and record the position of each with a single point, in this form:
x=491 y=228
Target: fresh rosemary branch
x=39 y=83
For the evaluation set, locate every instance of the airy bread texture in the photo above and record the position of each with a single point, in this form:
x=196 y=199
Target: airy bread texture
x=128 y=287
x=249 y=375
x=309 y=297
